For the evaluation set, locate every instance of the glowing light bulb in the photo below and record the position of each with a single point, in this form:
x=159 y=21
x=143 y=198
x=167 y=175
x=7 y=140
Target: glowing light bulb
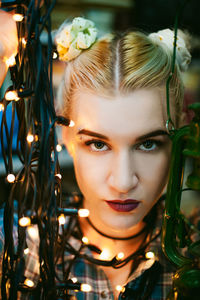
x=23 y=41
x=30 y=138
x=85 y=287
x=85 y=240
x=1 y=107
x=10 y=62
x=120 y=288
x=11 y=95
x=61 y=219
x=18 y=17
x=59 y=176
x=26 y=251
x=29 y=283
x=55 y=55
x=120 y=256
x=149 y=255
x=59 y=148
x=74 y=279
x=105 y=254
x=10 y=178
x=33 y=232
x=71 y=124
x=24 y=221
x=83 y=212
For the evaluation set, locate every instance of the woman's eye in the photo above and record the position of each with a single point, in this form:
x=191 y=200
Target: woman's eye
x=97 y=146
x=149 y=145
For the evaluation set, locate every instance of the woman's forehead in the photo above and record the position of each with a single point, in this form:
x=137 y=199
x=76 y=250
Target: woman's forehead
x=137 y=112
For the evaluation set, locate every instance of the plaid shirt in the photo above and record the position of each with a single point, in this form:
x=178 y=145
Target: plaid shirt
x=157 y=267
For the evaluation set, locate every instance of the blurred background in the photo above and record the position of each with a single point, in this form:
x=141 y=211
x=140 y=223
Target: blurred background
x=120 y=15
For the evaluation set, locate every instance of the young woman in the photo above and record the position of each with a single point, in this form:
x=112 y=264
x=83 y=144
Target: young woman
x=114 y=92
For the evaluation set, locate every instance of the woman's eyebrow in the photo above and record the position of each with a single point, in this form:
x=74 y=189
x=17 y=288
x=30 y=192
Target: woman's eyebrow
x=138 y=139
x=153 y=133
x=92 y=133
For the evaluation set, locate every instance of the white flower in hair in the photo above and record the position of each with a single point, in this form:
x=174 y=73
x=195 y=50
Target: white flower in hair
x=166 y=38
x=74 y=37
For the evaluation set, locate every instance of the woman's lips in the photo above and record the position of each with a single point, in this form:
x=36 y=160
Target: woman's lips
x=123 y=205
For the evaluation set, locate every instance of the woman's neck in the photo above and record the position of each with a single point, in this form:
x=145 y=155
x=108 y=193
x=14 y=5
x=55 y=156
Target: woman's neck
x=111 y=247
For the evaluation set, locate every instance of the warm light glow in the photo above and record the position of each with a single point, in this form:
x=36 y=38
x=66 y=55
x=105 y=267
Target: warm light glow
x=85 y=287
x=58 y=175
x=59 y=148
x=120 y=256
x=61 y=219
x=10 y=62
x=11 y=95
x=29 y=282
x=26 y=251
x=71 y=124
x=1 y=107
x=120 y=288
x=83 y=212
x=33 y=232
x=74 y=279
x=18 y=17
x=105 y=254
x=24 y=221
x=11 y=178
x=85 y=240
x=176 y=295
x=149 y=255
x=30 y=138
x=55 y=55
x=23 y=41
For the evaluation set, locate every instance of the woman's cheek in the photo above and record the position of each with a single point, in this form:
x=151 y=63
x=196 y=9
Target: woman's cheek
x=90 y=170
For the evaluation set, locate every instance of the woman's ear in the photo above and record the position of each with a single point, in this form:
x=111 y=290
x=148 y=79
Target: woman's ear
x=67 y=139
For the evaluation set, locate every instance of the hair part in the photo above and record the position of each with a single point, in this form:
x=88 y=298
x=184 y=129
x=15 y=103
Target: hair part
x=121 y=64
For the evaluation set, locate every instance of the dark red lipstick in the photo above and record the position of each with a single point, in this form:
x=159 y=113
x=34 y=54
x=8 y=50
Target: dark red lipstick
x=123 y=205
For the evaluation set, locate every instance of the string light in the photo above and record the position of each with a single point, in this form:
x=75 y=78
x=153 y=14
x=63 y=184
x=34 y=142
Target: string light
x=55 y=55
x=74 y=279
x=26 y=251
x=58 y=148
x=85 y=287
x=105 y=254
x=10 y=178
x=29 y=282
x=23 y=41
x=30 y=138
x=120 y=288
x=10 y=62
x=85 y=240
x=11 y=95
x=71 y=124
x=149 y=255
x=61 y=219
x=59 y=176
x=83 y=212
x=120 y=256
x=1 y=107
x=18 y=17
x=24 y=221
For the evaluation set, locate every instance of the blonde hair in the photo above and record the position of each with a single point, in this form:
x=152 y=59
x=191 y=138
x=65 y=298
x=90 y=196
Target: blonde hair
x=122 y=64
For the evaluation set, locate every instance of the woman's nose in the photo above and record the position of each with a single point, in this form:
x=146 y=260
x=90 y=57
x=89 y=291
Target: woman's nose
x=123 y=177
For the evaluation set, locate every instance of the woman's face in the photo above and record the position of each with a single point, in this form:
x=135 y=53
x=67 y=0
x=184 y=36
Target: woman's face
x=121 y=152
